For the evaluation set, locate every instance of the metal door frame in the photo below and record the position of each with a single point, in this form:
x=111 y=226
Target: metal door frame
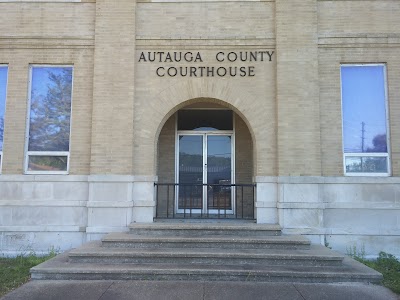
x=205 y=134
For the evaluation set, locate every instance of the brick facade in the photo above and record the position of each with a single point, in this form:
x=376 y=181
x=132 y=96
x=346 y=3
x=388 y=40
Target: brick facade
x=288 y=121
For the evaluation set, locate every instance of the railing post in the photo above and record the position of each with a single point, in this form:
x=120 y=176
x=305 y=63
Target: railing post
x=190 y=200
x=224 y=202
x=236 y=202
x=253 y=200
x=157 y=202
x=242 y=202
x=201 y=202
x=174 y=200
x=184 y=202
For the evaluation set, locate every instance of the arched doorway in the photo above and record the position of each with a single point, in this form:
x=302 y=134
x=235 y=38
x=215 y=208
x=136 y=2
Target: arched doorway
x=205 y=165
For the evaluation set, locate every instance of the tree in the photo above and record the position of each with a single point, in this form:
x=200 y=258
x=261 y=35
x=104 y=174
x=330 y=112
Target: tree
x=379 y=142
x=50 y=112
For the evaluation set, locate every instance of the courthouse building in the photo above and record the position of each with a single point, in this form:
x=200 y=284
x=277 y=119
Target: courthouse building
x=121 y=111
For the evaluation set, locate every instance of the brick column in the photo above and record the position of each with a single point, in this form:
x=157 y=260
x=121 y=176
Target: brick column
x=113 y=191
x=297 y=88
x=113 y=87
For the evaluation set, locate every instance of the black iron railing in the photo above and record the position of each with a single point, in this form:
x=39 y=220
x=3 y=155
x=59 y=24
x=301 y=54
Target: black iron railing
x=187 y=200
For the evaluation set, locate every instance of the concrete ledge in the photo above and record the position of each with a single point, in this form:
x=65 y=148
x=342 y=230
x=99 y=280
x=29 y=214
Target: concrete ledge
x=261 y=204
x=341 y=179
x=42 y=228
x=110 y=178
x=266 y=179
x=327 y=179
x=106 y=229
x=363 y=205
x=43 y=178
x=143 y=203
x=300 y=205
x=145 y=178
x=47 y=203
x=109 y=204
x=368 y=233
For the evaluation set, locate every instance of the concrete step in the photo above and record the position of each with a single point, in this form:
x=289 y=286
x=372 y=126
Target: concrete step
x=126 y=240
x=204 y=229
x=94 y=253
x=60 y=268
x=204 y=251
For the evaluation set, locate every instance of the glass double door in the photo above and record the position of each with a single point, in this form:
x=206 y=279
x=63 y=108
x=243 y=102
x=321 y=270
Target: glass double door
x=204 y=173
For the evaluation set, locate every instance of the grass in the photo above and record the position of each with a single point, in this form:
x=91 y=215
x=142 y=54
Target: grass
x=15 y=271
x=387 y=264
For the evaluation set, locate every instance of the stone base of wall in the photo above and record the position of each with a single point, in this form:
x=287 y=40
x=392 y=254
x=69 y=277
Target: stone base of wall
x=339 y=212
x=38 y=213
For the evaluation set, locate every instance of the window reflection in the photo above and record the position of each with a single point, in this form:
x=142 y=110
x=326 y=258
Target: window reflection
x=364 y=110
x=362 y=164
x=49 y=119
x=3 y=88
x=47 y=163
x=364 y=119
x=50 y=109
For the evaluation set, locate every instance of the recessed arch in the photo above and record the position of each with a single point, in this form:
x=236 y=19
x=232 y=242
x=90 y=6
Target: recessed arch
x=202 y=100
x=210 y=157
x=192 y=91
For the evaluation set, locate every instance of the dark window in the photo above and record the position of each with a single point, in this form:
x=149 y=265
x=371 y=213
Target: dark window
x=205 y=120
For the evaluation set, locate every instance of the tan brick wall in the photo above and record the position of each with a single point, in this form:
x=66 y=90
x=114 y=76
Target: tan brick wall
x=19 y=61
x=205 y=20
x=297 y=88
x=243 y=152
x=47 y=20
x=208 y=27
x=356 y=32
x=291 y=107
x=113 y=88
x=354 y=18
x=166 y=152
x=54 y=34
x=330 y=95
x=253 y=98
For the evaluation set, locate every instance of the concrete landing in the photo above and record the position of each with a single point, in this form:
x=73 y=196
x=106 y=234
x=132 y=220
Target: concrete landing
x=188 y=290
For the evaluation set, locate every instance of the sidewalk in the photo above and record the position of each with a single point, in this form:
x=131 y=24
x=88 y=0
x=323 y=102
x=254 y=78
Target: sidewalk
x=196 y=290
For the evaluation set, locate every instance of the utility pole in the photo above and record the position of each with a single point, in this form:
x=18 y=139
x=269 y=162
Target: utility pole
x=362 y=136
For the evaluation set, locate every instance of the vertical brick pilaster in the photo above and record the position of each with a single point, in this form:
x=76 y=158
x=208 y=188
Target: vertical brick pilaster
x=297 y=87
x=113 y=87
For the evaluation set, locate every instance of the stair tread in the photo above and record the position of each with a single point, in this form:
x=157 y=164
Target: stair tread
x=206 y=226
x=129 y=237
x=349 y=269
x=316 y=251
